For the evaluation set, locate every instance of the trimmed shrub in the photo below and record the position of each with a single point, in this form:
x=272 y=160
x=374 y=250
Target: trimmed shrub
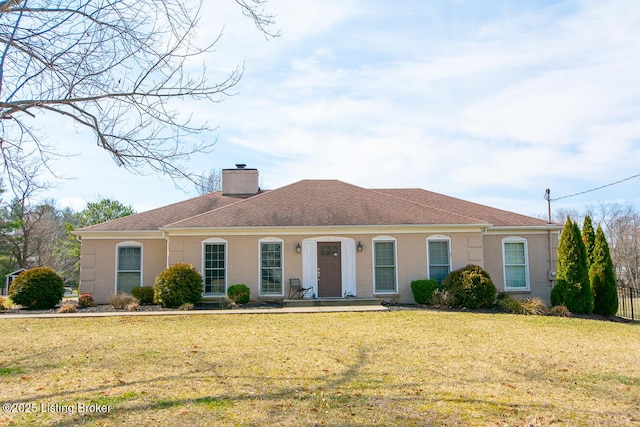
x=423 y=290
x=121 y=300
x=144 y=294
x=470 y=287
x=86 y=300
x=2 y=302
x=239 y=293
x=67 y=307
x=38 y=288
x=179 y=284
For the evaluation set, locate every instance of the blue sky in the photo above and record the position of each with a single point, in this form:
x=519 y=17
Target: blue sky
x=490 y=101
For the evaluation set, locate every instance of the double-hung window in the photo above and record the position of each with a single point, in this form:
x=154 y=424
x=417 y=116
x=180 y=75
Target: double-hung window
x=516 y=266
x=385 y=276
x=214 y=267
x=271 y=266
x=438 y=256
x=128 y=266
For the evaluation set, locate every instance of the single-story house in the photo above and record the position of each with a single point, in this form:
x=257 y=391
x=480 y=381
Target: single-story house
x=339 y=239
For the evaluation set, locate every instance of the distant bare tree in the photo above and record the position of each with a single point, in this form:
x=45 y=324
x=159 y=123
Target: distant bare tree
x=22 y=215
x=210 y=183
x=622 y=228
x=116 y=67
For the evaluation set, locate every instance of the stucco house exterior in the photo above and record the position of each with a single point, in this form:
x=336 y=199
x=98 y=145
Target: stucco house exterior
x=339 y=239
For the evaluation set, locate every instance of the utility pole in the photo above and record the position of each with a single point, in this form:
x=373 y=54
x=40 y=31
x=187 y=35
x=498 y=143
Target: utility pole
x=547 y=197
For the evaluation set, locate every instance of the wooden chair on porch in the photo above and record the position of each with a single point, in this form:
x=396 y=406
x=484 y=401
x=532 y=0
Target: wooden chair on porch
x=296 y=288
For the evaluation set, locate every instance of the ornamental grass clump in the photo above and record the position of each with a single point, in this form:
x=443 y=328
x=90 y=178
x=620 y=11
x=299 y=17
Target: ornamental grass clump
x=559 y=311
x=534 y=307
x=179 y=284
x=508 y=304
x=470 y=287
x=39 y=288
x=68 y=307
x=121 y=300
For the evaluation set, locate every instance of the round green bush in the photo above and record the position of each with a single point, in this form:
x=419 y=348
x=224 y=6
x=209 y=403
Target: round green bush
x=144 y=294
x=239 y=293
x=39 y=288
x=423 y=290
x=177 y=285
x=470 y=287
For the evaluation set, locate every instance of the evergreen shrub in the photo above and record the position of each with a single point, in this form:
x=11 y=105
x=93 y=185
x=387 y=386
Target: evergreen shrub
x=239 y=293
x=470 y=287
x=144 y=294
x=37 y=288
x=423 y=290
x=179 y=284
x=572 y=289
x=603 y=278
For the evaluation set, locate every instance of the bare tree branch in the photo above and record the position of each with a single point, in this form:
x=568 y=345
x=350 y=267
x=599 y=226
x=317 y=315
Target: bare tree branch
x=121 y=68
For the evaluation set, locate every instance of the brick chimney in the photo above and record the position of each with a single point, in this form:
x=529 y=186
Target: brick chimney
x=240 y=182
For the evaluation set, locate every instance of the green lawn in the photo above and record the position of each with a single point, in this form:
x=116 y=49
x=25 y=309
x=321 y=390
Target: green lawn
x=379 y=368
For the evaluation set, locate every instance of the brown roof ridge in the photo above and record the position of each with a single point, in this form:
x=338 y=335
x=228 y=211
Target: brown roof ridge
x=240 y=200
x=381 y=191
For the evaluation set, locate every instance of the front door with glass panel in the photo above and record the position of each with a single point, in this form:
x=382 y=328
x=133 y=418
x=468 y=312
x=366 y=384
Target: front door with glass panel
x=329 y=270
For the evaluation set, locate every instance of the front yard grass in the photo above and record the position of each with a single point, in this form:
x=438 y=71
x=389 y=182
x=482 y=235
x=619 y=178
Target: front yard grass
x=380 y=368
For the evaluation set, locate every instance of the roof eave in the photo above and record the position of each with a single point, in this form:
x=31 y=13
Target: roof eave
x=501 y=229
x=119 y=234
x=353 y=229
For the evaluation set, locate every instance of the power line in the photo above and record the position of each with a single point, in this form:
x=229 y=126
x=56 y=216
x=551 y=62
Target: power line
x=594 y=189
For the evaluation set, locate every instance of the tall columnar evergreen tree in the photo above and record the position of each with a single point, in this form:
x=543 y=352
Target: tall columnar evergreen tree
x=573 y=288
x=589 y=238
x=602 y=276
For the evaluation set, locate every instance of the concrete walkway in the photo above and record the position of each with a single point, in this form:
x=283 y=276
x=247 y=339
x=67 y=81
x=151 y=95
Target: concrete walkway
x=322 y=309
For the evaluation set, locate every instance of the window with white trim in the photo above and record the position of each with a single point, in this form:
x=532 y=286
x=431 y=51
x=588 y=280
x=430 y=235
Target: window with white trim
x=438 y=257
x=214 y=267
x=271 y=267
x=128 y=266
x=516 y=264
x=384 y=265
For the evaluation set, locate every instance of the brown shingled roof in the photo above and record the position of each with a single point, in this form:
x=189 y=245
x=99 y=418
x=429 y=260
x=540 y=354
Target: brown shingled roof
x=310 y=203
x=323 y=203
